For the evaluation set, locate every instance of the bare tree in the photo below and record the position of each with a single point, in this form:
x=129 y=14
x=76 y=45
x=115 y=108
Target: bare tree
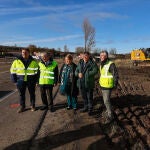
x=89 y=35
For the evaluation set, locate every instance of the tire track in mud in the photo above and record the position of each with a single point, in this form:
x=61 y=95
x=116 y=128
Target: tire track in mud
x=131 y=131
x=135 y=119
x=135 y=123
x=116 y=124
x=133 y=112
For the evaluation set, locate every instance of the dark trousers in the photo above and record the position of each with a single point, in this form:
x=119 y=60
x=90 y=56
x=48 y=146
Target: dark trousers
x=22 y=85
x=47 y=95
x=87 y=95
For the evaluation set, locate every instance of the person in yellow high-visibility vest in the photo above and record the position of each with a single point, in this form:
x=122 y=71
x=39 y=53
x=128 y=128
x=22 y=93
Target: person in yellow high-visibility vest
x=24 y=73
x=108 y=81
x=48 y=78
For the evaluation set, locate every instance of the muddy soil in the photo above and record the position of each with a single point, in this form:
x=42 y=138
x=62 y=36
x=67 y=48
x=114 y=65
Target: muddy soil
x=131 y=103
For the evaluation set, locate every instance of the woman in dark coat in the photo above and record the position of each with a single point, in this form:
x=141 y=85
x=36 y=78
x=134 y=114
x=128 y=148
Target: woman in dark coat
x=68 y=81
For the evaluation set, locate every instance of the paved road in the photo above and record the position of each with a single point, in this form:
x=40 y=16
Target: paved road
x=30 y=130
x=6 y=86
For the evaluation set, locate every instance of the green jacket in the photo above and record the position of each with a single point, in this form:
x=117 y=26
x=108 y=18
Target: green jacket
x=89 y=72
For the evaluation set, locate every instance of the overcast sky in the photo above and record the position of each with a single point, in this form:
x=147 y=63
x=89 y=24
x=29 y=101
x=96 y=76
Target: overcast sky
x=120 y=24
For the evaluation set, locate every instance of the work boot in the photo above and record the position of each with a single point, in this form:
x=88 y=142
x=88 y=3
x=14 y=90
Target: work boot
x=21 y=109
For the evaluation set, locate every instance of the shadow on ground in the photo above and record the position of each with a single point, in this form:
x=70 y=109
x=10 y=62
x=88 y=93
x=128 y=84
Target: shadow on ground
x=4 y=93
x=56 y=140
x=131 y=100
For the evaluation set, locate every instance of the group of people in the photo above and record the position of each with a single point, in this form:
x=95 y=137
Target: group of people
x=73 y=78
x=27 y=72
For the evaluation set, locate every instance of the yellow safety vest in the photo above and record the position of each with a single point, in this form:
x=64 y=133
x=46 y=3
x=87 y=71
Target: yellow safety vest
x=106 y=78
x=47 y=73
x=18 y=68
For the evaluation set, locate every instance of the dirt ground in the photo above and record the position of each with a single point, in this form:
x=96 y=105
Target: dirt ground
x=131 y=102
x=69 y=130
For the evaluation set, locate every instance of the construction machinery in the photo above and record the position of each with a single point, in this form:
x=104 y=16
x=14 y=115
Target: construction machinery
x=140 y=55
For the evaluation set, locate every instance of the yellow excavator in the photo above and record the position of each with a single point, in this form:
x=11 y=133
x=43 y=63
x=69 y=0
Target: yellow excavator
x=140 y=55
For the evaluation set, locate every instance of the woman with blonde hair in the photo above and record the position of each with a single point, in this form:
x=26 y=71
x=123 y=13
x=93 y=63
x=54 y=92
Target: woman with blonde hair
x=68 y=82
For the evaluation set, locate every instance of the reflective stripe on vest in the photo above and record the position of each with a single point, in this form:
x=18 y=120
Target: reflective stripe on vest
x=18 y=68
x=106 y=78
x=47 y=73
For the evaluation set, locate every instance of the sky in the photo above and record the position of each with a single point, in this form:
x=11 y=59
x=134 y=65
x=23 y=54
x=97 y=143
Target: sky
x=120 y=24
